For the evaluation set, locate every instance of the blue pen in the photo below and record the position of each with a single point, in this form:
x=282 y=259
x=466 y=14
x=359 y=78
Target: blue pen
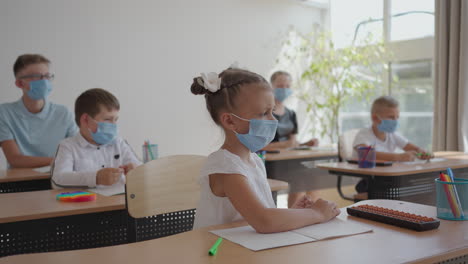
x=450 y=174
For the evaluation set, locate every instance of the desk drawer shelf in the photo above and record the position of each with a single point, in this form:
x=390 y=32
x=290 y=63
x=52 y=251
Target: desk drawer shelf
x=63 y=233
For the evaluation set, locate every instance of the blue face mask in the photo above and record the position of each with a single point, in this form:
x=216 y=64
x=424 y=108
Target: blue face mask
x=282 y=93
x=39 y=89
x=388 y=125
x=261 y=133
x=105 y=133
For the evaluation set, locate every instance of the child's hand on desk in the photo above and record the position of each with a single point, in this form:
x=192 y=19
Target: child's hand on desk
x=407 y=156
x=304 y=202
x=108 y=176
x=128 y=167
x=424 y=155
x=326 y=210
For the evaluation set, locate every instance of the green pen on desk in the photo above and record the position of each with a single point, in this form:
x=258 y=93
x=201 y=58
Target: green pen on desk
x=420 y=154
x=423 y=154
x=214 y=248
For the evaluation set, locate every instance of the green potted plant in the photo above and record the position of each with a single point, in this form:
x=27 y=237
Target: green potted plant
x=330 y=78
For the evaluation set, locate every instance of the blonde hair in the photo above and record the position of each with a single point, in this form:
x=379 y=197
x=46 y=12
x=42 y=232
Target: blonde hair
x=385 y=101
x=232 y=80
x=277 y=74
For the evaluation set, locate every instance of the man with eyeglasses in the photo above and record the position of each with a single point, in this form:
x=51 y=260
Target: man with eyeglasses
x=32 y=127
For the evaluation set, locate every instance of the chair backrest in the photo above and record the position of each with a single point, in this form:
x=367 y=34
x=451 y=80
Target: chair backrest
x=164 y=185
x=345 y=144
x=3 y=160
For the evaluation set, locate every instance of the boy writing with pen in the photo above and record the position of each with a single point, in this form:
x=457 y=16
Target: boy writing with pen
x=96 y=156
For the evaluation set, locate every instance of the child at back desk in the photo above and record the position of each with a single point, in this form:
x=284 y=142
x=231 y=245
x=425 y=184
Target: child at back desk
x=382 y=134
x=233 y=180
x=96 y=156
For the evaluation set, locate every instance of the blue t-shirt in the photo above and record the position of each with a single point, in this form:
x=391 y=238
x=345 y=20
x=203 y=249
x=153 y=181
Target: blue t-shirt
x=36 y=134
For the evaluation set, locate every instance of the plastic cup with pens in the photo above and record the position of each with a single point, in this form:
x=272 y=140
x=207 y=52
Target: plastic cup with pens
x=366 y=157
x=451 y=197
x=150 y=151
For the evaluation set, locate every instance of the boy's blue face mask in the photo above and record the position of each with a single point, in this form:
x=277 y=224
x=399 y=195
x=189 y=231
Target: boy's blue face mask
x=261 y=133
x=282 y=94
x=388 y=125
x=39 y=89
x=105 y=133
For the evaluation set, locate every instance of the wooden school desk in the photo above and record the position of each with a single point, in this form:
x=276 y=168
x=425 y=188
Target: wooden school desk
x=386 y=244
x=407 y=182
x=287 y=165
x=37 y=222
x=23 y=180
x=312 y=154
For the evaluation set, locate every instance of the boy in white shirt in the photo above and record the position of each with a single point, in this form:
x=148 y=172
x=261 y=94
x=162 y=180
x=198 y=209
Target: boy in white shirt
x=96 y=156
x=382 y=134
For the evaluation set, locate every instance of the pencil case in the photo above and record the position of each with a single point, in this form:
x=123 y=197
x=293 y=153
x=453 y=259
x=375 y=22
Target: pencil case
x=394 y=217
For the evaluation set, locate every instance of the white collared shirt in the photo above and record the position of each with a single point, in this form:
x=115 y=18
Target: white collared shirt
x=77 y=161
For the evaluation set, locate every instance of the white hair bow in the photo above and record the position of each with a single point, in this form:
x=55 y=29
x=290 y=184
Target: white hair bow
x=211 y=81
x=235 y=65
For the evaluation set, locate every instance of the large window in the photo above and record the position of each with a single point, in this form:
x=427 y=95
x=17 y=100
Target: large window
x=408 y=28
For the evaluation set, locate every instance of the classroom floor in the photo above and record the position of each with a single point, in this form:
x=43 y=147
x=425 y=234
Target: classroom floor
x=330 y=194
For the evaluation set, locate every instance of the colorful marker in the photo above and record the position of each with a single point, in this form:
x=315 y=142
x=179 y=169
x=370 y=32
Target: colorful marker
x=214 y=249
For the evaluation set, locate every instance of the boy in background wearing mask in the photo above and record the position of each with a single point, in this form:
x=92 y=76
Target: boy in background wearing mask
x=382 y=135
x=96 y=156
x=32 y=127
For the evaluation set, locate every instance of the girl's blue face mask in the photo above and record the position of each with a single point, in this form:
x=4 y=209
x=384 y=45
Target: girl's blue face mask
x=39 y=89
x=282 y=94
x=261 y=133
x=105 y=133
x=388 y=125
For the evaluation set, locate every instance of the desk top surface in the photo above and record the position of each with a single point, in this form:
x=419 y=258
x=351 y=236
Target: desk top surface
x=454 y=160
x=23 y=206
x=291 y=154
x=14 y=175
x=386 y=244
x=43 y=204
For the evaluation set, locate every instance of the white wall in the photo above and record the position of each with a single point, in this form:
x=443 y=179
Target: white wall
x=146 y=52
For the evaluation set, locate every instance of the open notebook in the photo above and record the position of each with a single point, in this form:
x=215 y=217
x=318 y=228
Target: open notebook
x=247 y=237
x=117 y=188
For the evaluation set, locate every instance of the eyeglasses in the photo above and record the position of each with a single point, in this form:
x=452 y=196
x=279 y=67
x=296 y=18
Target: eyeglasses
x=47 y=76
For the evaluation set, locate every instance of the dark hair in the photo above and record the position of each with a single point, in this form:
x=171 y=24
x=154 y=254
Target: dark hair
x=277 y=74
x=27 y=59
x=90 y=101
x=231 y=82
